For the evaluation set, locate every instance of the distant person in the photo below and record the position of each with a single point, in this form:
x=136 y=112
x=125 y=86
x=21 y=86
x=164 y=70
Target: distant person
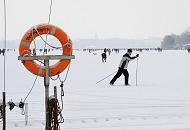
x=123 y=67
x=109 y=51
x=34 y=52
x=45 y=51
x=2 y=52
x=188 y=50
x=104 y=57
x=105 y=50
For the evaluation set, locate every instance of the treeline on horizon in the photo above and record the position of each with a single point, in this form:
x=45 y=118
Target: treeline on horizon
x=174 y=41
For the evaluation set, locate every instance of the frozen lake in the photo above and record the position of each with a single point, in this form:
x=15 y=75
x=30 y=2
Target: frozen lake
x=160 y=101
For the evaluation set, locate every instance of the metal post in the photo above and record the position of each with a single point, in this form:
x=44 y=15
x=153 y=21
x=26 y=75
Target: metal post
x=4 y=111
x=46 y=84
x=26 y=113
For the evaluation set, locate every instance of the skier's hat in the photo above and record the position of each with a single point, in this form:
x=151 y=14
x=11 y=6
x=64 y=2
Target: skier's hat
x=129 y=50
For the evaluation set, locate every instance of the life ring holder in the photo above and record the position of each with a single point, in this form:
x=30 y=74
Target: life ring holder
x=45 y=29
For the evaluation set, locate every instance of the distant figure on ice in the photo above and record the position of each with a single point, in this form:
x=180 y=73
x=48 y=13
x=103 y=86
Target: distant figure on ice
x=109 y=51
x=188 y=50
x=2 y=51
x=104 y=56
x=123 y=67
x=34 y=52
x=105 y=50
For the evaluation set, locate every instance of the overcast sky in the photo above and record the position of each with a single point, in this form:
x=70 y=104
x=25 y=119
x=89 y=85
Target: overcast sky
x=135 y=19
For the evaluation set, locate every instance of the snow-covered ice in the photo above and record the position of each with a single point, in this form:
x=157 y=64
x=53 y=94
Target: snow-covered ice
x=160 y=101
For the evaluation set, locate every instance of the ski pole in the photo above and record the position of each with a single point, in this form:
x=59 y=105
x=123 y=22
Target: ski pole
x=136 y=71
x=105 y=77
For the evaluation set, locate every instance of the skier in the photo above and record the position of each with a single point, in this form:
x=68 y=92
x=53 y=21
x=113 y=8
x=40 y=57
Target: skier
x=123 y=67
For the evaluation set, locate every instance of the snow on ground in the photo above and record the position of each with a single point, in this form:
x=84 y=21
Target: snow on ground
x=160 y=101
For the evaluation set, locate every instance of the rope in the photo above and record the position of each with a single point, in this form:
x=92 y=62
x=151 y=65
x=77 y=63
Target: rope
x=54 y=108
x=55 y=114
x=50 y=11
x=55 y=78
x=5 y=44
x=45 y=41
x=31 y=89
x=49 y=18
x=65 y=75
x=43 y=55
x=36 y=75
x=52 y=103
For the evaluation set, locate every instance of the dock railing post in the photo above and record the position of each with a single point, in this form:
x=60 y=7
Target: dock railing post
x=46 y=84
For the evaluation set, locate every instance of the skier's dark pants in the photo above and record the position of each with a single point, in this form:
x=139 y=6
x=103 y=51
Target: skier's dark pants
x=119 y=73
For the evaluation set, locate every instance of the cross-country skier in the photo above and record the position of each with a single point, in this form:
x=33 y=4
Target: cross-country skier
x=123 y=67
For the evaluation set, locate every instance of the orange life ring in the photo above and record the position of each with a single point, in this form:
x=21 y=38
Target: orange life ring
x=31 y=34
